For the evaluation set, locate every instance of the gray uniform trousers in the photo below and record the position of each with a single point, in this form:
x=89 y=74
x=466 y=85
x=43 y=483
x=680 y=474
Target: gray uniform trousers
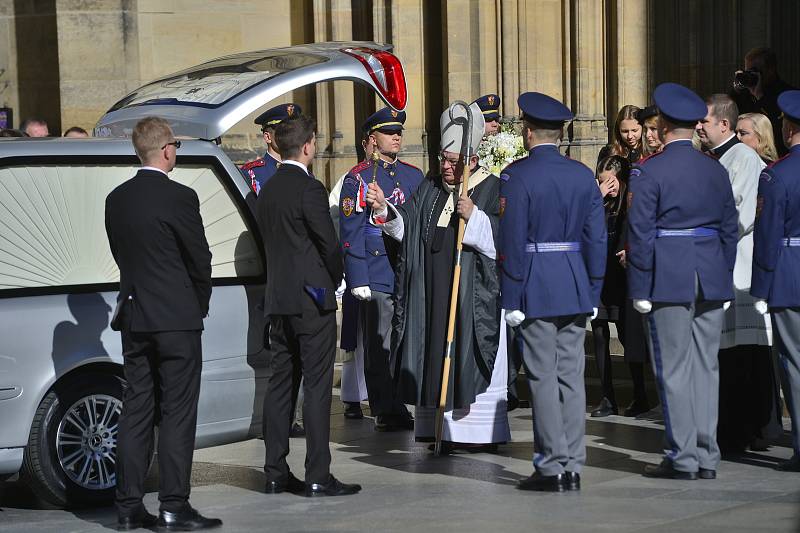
x=786 y=330
x=684 y=345
x=553 y=355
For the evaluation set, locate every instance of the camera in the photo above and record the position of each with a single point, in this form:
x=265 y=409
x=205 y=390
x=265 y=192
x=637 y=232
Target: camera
x=746 y=79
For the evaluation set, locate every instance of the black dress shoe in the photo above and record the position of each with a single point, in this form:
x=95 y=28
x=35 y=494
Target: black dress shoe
x=333 y=487
x=541 y=483
x=353 y=411
x=707 y=473
x=604 y=408
x=792 y=465
x=666 y=471
x=292 y=484
x=140 y=519
x=512 y=403
x=187 y=519
x=394 y=423
x=572 y=480
x=636 y=408
x=297 y=431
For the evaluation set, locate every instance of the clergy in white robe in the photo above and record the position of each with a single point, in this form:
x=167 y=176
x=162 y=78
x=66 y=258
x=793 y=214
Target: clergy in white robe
x=427 y=226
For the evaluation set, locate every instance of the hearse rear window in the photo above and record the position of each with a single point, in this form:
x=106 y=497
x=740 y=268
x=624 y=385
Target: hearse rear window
x=52 y=224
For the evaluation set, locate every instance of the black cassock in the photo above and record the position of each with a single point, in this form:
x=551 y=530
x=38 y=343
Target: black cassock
x=422 y=300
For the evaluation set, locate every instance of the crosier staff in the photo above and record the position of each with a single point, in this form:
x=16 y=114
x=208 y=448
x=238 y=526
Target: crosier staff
x=466 y=147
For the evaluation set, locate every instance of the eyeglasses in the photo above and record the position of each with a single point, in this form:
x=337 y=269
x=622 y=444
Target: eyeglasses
x=451 y=162
x=176 y=144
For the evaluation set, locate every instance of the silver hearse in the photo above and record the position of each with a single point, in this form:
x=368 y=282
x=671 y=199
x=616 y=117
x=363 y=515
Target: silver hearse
x=61 y=376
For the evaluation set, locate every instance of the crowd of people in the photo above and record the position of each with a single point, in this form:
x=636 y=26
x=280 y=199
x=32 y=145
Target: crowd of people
x=452 y=281
x=37 y=127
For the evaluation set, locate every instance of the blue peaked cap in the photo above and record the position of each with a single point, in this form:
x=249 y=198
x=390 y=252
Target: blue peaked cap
x=538 y=107
x=275 y=115
x=679 y=104
x=789 y=103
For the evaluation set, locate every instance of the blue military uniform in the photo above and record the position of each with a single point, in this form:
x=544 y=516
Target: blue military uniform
x=776 y=263
x=490 y=106
x=552 y=258
x=683 y=230
x=259 y=171
x=367 y=264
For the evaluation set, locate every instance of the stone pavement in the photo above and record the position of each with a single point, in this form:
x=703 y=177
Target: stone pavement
x=407 y=489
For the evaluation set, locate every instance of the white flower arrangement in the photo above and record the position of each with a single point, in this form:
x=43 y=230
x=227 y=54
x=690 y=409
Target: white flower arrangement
x=495 y=152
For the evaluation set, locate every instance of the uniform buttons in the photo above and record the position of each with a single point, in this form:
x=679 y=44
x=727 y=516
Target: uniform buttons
x=376 y=253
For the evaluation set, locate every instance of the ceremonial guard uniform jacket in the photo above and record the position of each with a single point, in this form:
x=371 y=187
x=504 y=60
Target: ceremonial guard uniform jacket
x=776 y=249
x=683 y=225
x=553 y=256
x=366 y=261
x=258 y=172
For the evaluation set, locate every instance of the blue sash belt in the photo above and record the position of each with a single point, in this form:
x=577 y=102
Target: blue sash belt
x=542 y=247
x=369 y=229
x=689 y=232
x=790 y=242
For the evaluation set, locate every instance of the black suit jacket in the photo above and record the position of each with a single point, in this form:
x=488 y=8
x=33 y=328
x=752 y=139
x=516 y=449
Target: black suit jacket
x=302 y=250
x=158 y=241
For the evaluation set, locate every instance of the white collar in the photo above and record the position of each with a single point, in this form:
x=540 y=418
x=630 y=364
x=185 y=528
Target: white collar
x=154 y=168
x=677 y=140
x=295 y=163
x=723 y=143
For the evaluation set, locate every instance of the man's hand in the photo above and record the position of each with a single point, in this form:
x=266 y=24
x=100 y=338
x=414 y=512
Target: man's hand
x=761 y=307
x=361 y=293
x=595 y=310
x=464 y=208
x=623 y=258
x=514 y=318
x=643 y=306
x=375 y=198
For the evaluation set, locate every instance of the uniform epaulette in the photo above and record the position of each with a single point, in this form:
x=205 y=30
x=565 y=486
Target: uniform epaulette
x=648 y=157
x=778 y=160
x=361 y=166
x=253 y=164
x=409 y=165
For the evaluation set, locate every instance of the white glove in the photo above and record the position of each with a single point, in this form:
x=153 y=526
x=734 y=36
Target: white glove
x=726 y=305
x=514 y=318
x=761 y=307
x=361 y=293
x=643 y=306
x=594 y=313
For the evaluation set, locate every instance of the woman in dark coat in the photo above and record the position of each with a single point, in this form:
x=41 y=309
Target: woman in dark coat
x=612 y=178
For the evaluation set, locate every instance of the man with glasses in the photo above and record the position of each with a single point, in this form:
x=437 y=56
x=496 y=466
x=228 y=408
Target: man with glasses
x=427 y=227
x=157 y=237
x=369 y=257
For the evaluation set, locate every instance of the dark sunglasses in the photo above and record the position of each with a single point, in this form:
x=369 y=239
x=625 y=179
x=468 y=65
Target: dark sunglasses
x=176 y=144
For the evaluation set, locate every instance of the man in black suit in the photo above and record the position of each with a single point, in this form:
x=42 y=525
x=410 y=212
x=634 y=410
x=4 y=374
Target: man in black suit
x=158 y=241
x=304 y=267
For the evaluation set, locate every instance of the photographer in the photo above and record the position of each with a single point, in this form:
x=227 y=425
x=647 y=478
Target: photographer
x=756 y=88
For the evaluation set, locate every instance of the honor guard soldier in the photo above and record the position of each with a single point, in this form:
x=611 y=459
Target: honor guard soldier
x=260 y=170
x=368 y=270
x=552 y=258
x=776 y=260
x=683 y=230
x=490 y=107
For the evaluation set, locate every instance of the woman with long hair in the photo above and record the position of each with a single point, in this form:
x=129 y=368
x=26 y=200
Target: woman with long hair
x=627 y=137
x=651 y=142
x=612 y=178
x=755 y=130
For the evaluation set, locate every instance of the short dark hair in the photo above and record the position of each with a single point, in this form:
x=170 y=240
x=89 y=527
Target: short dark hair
x=12 y=133
x=723 y=107
x=544 y=131
x=291 y=134
x=76 y=129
